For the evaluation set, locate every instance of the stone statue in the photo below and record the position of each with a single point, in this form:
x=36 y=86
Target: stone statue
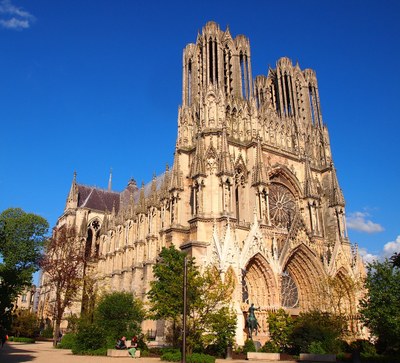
x=252 y=323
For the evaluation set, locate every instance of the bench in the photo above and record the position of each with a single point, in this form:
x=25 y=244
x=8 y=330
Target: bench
x=263 y=356
x=121 y=353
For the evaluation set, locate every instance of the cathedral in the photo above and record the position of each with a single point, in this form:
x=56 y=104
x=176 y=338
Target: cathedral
x=252 y=191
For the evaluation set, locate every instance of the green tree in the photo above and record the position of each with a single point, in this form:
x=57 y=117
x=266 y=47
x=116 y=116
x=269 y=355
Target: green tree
x=25 y=324
x=280 y=325
x=63 y=265
x=21 y=239
x=119 y=313
x=317 y=328
x=210 y=321
x=380 y=309
x=165 y=295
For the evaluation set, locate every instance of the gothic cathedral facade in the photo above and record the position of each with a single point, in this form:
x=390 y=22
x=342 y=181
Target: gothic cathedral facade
x=252 y=191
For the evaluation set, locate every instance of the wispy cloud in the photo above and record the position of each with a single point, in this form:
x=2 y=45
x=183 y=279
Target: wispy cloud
x=388 y=250
x=359 y=221
x=12 y=17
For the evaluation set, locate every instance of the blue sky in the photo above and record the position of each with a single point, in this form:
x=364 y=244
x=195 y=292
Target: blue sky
x=95 y=84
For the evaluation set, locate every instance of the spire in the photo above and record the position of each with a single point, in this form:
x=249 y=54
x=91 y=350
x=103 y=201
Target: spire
x=165 y=184
x=198 y=166
x=110 y=181
x=153 y=198
x=260 y=176
x=142 y=200
x=72 y=199
x=176 y=179
x=336 y=195
x=225 y=166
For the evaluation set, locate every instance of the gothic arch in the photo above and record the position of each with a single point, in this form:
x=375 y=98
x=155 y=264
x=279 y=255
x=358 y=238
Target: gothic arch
x=259 y=285
x=346 y=286
x=283 y=175
x=93 y=237
x=305 y=270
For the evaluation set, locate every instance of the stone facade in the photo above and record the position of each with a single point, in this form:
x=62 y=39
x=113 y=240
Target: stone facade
x=252 y=191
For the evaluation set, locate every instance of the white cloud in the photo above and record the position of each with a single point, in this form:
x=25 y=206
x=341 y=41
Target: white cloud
x=14 y=23
x=359 y=222
x=388 y=250
x=366 y=256
x=13 y=17
x=391 y=247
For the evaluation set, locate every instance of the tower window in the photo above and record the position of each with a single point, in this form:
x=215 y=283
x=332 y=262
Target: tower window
x=311 y=98
x=211 y=63
x=189 y=83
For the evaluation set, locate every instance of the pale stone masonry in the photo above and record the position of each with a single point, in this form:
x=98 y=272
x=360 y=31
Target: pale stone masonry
x=252 y=191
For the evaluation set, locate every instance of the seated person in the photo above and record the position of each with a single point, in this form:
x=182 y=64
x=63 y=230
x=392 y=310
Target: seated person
x=132 y=349
x=121 y=343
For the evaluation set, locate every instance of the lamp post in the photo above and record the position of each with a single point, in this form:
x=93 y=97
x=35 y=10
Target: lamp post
x=184 y=310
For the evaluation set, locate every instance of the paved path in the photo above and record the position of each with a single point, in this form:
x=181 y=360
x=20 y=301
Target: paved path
x=43 y=352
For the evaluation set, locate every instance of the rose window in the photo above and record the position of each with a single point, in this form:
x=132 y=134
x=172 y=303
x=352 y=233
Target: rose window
x=282 y=206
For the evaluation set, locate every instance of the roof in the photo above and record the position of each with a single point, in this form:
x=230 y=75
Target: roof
x=96 y=198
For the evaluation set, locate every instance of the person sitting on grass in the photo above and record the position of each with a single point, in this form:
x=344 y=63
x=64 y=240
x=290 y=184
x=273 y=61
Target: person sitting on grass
x=121 y=343
x=133 y=348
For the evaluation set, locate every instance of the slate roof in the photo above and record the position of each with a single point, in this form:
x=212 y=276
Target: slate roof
x=96 y=198
x=104 y=200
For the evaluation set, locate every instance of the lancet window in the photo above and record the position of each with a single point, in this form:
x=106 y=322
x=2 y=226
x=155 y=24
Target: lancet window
x=244 y=73
x=314 y=108
x=213 y=61
x=227 y=70
x=289 y=292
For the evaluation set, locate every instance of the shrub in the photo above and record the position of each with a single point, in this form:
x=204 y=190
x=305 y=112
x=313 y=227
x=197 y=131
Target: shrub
x=175 y=356
x=67 y=341
x=89 y=339
x=25 y=323
x=270 y=347
x=200 y=358
x=171 y=356
x=47 y=332
x=249 y=346
x=119 y=313
x=316 y=326
x=280 y=326
x=21 y=339
x=316 y=348
x=365 y=347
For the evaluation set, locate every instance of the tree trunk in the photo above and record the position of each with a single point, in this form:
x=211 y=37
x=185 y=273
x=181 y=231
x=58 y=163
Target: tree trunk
x=56 y=332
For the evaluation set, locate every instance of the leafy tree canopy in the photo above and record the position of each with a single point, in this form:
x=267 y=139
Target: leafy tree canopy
x=21 y=240
x=166 y=290
x=317 y=327
x=210 y=320
x=380 y=309
x=280 y=326
x=119 y=313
